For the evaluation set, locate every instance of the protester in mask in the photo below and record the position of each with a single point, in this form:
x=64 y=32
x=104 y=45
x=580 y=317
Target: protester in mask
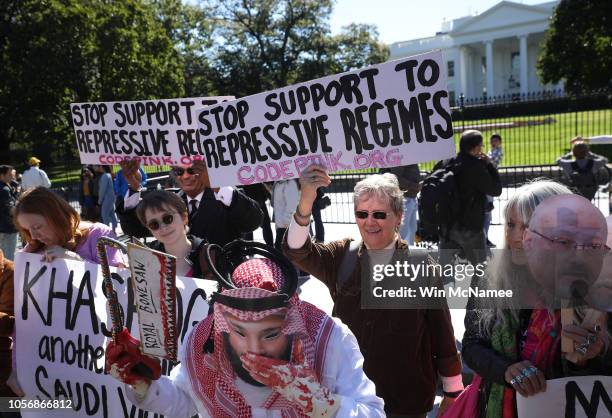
x=256 y=355
x=515 y=350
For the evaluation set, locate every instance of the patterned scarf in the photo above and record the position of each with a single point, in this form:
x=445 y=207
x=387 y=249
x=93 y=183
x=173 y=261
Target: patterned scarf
x=541 y=347
x=211 y=375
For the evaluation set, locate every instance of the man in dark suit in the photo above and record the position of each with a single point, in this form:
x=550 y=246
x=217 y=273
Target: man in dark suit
x=218 y=215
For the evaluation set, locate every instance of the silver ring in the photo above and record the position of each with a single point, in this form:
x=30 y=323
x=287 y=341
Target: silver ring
x=582 y=349
x=519 y=378
x=527 y=372
x=513 y=382
x=534 y=369
x=597 y=328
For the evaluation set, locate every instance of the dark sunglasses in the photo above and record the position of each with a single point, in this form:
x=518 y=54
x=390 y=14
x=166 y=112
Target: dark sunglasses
x=154 y=224
x=178 y=171
x=377 y=214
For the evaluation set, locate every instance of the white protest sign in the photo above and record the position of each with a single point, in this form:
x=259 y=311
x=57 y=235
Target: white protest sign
x=570 y=397
x=154 y=277
x=156 y=132
x=391 y=114
x=61 y=323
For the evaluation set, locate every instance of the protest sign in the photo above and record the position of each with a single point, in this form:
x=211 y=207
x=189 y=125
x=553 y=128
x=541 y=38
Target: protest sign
x=570 y=397
x=62 y=330
x=391 y=114
x=154 y=277
x=156 y=132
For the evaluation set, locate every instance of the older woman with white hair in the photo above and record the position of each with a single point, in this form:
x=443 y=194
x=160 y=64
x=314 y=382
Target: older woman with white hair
x=405 y=350
x=515 y=348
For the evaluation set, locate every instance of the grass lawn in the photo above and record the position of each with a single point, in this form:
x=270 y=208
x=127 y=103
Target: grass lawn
x=528 y=144
x=544 y=143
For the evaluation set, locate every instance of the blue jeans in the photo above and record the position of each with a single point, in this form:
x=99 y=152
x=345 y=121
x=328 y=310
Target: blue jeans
x=409 y=226
x=8 y=244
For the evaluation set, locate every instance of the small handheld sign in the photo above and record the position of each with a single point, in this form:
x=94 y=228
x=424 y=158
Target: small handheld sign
x=154 y=284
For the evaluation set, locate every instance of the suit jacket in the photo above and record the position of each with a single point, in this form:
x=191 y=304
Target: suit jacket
x=214 y=222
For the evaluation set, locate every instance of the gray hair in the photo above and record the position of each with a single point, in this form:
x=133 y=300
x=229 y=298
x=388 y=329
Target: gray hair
x=383 y=186
x=530 y=195
x=501 y=273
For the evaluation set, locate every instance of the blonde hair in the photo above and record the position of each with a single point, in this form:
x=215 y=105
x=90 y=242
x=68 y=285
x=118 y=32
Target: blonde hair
x=501 y=272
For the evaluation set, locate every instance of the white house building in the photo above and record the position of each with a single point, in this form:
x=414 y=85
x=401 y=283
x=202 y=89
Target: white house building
x=493 y=53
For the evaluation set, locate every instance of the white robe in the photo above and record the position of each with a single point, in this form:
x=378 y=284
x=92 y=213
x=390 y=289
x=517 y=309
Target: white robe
x=343 y=374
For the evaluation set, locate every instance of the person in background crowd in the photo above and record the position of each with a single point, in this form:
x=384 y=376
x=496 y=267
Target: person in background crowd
x=15 y=183
x=256 y=357
x=165 y=215
x=405 y=350
x=106 y=196
x=8 y=233
x=516 y=350
x=581 y=173
x=217 y=215
x=34 y=176
x=409 y=177
x=87 y=197
x=285 y=197
x=496 y=155
x=53 y=228
x=259 y=193
x=7 y=326
x=475 y=178
x=121 y=186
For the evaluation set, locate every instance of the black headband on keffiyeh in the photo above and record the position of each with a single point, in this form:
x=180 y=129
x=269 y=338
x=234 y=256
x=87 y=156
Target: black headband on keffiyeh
x=223 y=268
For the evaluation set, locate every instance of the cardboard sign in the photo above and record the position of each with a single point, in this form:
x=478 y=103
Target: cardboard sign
x=154 y=284
x=570 y=397
x=156 y=132
x=62 y=331
x=391 y=114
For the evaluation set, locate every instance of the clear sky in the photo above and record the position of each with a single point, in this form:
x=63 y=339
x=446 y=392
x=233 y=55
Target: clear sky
x=401 y=20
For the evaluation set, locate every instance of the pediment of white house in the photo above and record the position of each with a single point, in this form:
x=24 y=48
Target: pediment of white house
x=503 y=14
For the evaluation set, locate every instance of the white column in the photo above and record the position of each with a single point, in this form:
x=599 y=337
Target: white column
x=523 y=61
x=490 y=73
x=463 y=71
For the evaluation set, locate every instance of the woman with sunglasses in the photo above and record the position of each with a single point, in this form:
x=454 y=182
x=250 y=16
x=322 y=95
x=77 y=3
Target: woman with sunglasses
x=165 y=216
x=405 y=350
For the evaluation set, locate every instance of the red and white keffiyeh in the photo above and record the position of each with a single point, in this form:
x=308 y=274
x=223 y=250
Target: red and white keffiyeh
x=212 y=376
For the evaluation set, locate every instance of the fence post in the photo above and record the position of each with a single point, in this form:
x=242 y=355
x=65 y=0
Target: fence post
x=461 y=109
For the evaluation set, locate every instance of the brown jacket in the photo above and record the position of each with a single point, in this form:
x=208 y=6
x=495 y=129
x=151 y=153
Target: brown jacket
x=404 y=349
x=7 y=322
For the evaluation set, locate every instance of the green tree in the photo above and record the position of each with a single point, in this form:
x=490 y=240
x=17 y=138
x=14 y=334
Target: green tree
x=266 y=44
x=578 y=46
x=54 y=52
x=190 y=28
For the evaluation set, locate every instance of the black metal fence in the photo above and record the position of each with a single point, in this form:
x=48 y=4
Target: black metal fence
x=536 y=128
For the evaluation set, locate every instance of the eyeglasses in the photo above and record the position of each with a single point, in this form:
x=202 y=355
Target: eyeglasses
x=179 y=171
x=377 y=214
x=154 y=224
x=565 y=244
